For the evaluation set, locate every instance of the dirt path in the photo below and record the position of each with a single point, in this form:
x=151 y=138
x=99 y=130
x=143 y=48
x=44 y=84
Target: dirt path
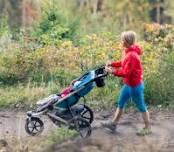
x=12 y=124
x=162 y=139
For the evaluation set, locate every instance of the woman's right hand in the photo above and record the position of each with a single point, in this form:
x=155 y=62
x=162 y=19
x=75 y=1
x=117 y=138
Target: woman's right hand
x=109 y=69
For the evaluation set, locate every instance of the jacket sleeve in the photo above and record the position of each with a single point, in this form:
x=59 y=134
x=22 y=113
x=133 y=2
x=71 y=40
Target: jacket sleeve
x=116 y=64
x=128 y=67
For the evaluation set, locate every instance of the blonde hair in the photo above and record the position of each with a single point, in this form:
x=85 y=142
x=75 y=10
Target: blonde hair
x=129 y=37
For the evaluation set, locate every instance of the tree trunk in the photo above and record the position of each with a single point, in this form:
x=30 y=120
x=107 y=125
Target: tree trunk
x=158 y=14
x=30 y=12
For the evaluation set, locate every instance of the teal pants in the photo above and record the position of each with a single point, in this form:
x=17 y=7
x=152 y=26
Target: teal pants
x=135 y=93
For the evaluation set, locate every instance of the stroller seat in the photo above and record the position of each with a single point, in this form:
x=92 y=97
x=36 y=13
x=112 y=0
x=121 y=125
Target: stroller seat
x=50 y=99
x=46 y=102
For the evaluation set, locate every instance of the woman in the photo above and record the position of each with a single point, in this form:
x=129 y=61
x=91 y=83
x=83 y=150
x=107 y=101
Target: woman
x=130 y=69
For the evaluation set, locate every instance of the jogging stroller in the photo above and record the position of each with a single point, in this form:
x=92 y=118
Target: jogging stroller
x=65 y=110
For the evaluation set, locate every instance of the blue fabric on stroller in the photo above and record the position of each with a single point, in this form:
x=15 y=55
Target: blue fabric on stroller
x=80 y=88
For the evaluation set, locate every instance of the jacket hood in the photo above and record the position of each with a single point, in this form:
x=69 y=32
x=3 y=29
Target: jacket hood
x=135 y=48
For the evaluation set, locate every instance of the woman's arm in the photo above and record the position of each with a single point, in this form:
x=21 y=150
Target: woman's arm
x=128 y=67
x=116 y=64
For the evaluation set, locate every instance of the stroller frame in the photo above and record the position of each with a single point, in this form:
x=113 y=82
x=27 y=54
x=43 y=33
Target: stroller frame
x=72 y=115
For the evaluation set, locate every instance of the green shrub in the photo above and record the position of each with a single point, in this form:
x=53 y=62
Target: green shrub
x=159 y=76
x=61 y=134
x=54 y=27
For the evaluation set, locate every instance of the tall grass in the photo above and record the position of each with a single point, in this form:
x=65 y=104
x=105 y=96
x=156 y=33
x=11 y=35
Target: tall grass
x=21 y=95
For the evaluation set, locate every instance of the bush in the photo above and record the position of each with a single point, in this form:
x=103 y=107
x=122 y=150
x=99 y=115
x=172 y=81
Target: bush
x=63 y=62
x=159 y=73
x=54 y=27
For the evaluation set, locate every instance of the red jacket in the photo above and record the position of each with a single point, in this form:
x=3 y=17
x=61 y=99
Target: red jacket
x=130 y=67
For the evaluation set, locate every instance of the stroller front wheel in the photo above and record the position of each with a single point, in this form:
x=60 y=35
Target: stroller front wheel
x=34 y=126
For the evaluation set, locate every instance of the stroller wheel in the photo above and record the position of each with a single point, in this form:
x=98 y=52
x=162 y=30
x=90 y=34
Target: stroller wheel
x=87 y=114
x=34 y=126
x=81 y=125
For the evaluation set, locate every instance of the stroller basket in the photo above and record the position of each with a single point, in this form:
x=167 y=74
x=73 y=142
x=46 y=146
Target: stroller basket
x=99 y=80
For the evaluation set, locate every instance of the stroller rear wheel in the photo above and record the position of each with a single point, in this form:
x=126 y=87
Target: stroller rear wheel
x=34 y=126
x=87 y=114
x=81 y=125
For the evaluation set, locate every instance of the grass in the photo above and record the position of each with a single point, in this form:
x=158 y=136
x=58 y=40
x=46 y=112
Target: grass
x=55 y=136
x=22 y=95
x=61 y=134
x=26 y=95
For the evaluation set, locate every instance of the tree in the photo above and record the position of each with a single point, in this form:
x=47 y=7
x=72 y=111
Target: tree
x=169 y=11
x=93 y=5
x=11 y=9
x=30 y=12
x=130 y=13
x=20 y=12
x=157 y=11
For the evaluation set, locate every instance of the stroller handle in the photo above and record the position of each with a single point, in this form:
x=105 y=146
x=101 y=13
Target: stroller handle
x=100 y=76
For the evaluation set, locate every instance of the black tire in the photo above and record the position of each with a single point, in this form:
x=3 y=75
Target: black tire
x=34 y=126
x=87 y=114
x=81 y=125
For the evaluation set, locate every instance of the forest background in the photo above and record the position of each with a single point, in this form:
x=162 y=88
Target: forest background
x=45 y=44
